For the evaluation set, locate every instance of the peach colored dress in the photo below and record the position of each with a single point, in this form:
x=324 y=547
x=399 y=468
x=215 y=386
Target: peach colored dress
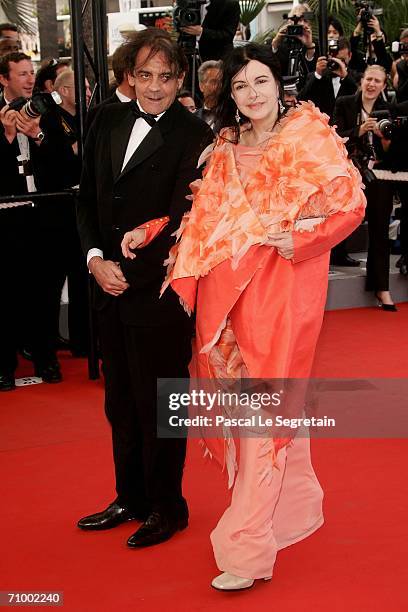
x=259 y=315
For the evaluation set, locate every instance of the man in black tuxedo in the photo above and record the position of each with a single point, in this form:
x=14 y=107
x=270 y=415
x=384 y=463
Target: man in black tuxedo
x=220 y=19
x=323 y=86
x=30 y=155
x=139 y=160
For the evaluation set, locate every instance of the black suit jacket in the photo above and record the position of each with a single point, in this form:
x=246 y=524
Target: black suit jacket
x=346 y=118
x=92 y=112
x=47 y=161
x=219 y=28
x=153 y=184
x=321 y=93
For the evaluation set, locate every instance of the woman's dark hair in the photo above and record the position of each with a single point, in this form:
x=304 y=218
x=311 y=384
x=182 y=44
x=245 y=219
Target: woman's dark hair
x=332 y=21
x=232 y=64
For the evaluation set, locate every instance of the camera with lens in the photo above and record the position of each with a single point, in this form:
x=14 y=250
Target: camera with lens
x=187 y=13
x=36 y=106
x=367 y=11
x=400 y=48
x=333 y=49
x=388 y=124
x=296 y=29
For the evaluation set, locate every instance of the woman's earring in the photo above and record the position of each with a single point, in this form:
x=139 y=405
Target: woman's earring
x=237 y=116
x=281 y=106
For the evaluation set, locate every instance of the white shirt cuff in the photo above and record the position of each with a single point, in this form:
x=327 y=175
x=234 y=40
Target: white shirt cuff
x=317 y=75
x=93 y=253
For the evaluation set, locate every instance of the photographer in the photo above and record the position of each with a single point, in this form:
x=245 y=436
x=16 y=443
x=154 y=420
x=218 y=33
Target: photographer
x=400 y=68
x=47 y=74
x=27 y=156
x=219 y=22
x=284 y=42
x=369 y=149
x=375 y=51
x=62 y=234
x=326 y=84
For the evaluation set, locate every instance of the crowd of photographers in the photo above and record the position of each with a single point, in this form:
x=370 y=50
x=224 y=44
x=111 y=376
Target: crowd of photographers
x=358 y=83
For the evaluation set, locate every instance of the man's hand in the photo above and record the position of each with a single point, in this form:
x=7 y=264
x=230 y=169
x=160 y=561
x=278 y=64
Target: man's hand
x=341 y=71
x=283 y=242
x=321 y=65
x=8 y=119
x=375 y=25
x=307 y=36
x=196 y=30
x=280 y=35
x=27 y=126
x=108 y=275
x=131 y=240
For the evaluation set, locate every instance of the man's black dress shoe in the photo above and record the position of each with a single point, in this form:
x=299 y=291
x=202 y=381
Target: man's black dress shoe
x=112 y=516
x=7 y=382
x=156 y=529
x=50 y=373
x=344 y=260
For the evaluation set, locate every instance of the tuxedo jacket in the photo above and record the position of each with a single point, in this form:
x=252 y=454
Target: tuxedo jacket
x=92 y=112
x=219 y=28
x=321 y=93
x=46 y=160
x=154 y=184
x=346 y=118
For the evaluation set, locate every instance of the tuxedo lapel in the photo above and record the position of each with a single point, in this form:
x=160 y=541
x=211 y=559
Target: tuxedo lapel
x=147 y=147
x=120 y=135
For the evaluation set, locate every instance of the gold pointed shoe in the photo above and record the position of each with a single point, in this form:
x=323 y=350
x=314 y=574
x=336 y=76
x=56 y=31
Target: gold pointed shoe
x=230 y=582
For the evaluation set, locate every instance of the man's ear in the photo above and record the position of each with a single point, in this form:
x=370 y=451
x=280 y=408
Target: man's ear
x=3 y=80
x=49 y=85
x=180 y=80
x=131 y=79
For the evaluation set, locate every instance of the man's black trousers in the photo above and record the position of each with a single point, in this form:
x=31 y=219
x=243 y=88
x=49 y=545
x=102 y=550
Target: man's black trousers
x=148 y=469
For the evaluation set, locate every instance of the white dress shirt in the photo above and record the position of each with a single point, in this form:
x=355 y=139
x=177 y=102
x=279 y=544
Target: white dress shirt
x=24 y=146
x=122 y=96
x=139 y=132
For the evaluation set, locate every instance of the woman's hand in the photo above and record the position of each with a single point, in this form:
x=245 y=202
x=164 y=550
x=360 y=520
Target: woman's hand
x=283 y=242
x=370 y=125
x=131 y=240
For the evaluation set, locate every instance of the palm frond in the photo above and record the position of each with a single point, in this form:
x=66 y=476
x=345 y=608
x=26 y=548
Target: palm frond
x=250 y=9
x=19 y=12
x=262 y=37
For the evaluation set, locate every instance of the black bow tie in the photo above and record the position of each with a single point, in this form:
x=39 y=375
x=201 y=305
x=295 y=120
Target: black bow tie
x=150 y=119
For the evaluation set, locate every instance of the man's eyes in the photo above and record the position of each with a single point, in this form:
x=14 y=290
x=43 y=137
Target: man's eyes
x=145 y=76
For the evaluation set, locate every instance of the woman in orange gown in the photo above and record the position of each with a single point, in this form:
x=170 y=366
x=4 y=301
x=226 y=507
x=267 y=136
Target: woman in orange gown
x=252 y=260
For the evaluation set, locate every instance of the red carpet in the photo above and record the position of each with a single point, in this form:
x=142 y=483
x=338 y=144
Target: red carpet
x=56 y=466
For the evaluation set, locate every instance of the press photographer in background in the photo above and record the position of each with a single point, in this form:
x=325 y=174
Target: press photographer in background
x=370 y=149
x=370 y=37
x=62 y=233
x=400 y=67
x=29 y=156
x=213 y=24
x=333 y=79
x=294 y=39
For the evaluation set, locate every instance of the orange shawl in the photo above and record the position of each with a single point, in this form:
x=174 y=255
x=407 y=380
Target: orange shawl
x=304 y=173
